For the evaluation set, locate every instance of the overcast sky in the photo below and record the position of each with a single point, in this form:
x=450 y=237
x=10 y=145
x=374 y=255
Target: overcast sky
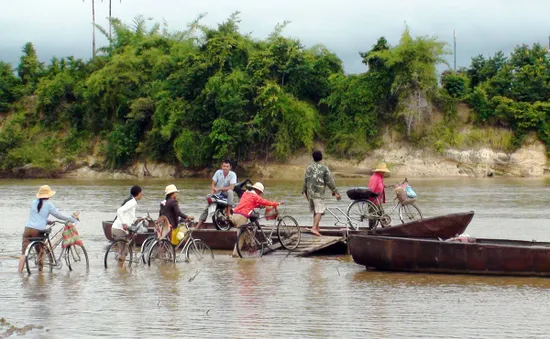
x=63 y=27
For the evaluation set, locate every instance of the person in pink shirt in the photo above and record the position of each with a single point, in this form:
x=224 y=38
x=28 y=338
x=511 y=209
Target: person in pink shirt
x=249 y=201
x=376 y=182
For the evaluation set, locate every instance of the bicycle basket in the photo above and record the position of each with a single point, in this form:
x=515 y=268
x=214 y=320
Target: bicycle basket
x=401 y=194
x=360 y=193
x=162 y=227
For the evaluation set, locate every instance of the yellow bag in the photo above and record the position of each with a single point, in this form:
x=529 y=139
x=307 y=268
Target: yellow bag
x=178 y=234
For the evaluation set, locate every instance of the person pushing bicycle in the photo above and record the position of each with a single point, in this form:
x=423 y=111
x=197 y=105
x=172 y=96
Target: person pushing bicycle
x=41 y=208
x=250 y=200
x=376 y=183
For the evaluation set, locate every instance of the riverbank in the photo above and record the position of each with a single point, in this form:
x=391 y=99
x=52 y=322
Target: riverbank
x=403 y=160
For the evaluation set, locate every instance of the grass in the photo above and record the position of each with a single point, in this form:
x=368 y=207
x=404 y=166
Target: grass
x=441 y=136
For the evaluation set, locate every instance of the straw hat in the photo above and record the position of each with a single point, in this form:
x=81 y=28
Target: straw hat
x=259 y=186
x=45 y=192
x=170 y=189
x=381 y=167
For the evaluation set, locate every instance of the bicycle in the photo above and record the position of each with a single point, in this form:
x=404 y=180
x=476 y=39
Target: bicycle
x=165 y=251
x=120 y=251
x=40 y=252
x=252 y=238
x=364 y=210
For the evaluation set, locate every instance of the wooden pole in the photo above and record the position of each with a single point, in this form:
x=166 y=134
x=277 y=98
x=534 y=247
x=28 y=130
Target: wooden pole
x=93 y=22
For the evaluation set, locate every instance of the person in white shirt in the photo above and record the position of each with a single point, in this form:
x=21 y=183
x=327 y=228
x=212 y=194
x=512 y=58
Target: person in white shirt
x=223 y=183
x=126 y=214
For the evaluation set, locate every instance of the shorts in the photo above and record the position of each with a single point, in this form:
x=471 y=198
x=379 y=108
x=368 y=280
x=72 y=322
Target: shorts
x=317 y=206
x=29 y=233
x=238 y=220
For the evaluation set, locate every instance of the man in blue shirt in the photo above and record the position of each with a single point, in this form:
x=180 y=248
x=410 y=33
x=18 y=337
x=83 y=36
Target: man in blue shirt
x=223 y=183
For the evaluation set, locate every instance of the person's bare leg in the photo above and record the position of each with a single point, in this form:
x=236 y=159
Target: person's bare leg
x=316 y=221
x=235 y=253
x=21 y=263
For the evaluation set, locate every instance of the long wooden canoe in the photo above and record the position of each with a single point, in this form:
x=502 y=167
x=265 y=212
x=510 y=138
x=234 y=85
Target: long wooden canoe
x=445 y=226
x=484 y=257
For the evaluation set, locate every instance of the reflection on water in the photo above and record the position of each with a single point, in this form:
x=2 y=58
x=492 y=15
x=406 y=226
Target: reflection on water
x=276 y=296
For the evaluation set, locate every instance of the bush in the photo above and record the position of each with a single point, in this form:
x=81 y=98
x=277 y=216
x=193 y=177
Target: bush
x=120 y=145
x=191 y=150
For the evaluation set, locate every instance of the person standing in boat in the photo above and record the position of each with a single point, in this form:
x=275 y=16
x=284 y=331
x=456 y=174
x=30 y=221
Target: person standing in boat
x=316 y=179
x=376 y=182
x=126 y=213
x=223 y=183
x=41 y=208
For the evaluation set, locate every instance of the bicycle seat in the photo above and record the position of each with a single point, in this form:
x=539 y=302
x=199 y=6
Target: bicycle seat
x=361 y=193
x=254 y=217
x=43 y=234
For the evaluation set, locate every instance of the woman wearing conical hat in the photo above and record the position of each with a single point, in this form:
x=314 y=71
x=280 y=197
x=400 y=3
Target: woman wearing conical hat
x=376 y=182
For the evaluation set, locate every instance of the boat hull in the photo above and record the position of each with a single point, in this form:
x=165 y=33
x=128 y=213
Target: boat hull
x=445 y=226
x=485 y=257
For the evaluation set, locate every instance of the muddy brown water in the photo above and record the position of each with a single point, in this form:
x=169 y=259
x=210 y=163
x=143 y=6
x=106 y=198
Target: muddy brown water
x=275 y=296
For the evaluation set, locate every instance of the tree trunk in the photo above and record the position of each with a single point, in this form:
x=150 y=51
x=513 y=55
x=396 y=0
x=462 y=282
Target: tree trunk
x=93 y=23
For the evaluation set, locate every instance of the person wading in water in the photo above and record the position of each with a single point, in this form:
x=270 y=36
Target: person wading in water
x=41 y=208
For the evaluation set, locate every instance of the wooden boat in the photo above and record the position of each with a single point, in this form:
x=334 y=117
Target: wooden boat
x=445 y=226
x=140 y=238
x=484 y=257
x=220 y=240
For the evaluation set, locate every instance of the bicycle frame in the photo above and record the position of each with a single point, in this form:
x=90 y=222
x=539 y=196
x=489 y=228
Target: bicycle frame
x=57 y=263
x=348 y=223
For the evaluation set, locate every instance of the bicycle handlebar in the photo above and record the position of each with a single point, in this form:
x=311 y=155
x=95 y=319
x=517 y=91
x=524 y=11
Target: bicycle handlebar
x=53 y=222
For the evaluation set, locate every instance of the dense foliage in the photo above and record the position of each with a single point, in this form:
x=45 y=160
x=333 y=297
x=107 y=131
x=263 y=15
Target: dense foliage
x=193 y=97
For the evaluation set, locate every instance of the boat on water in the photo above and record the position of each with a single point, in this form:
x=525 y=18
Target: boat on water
x=445 y=226
x=220 y=240
x=482 y=257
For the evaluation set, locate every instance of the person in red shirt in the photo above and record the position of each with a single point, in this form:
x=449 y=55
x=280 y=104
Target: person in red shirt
x=376 y=182
x=249 y=201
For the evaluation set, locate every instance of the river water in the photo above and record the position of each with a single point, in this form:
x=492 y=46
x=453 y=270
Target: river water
x=275 y=296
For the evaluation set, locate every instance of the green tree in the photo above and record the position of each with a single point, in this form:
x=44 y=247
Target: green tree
x=29 y=68
x=10 y=90
x=413 y=61
x=455 y=84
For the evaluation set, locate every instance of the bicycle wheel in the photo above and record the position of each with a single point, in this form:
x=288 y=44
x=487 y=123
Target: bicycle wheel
x=119 y=253
x=197 y=250
x=289 y=233
x=409 y=212
x=38 y=258
x=221 y=220
x=77 y=258
x=363 y=214
x=146 y=247
x=161 y=252
x=248 y=244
